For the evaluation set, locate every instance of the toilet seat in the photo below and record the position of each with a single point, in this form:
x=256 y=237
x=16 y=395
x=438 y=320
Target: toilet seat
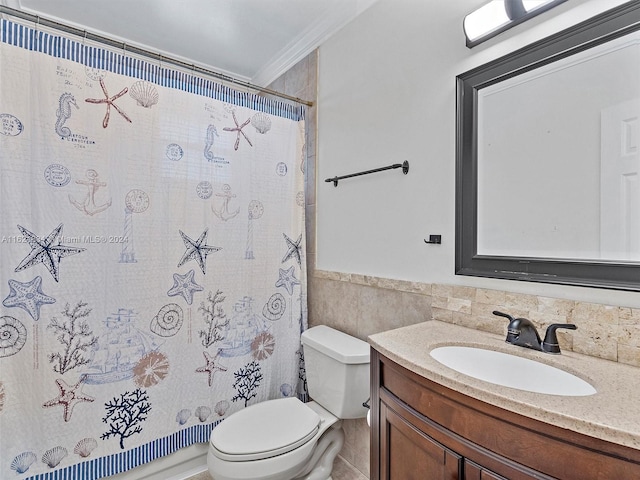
x=264 y=430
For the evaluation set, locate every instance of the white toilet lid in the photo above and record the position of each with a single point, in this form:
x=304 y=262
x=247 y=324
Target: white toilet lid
x=264 y=430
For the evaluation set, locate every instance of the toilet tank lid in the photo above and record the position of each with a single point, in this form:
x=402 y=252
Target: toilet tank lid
x=336 y=344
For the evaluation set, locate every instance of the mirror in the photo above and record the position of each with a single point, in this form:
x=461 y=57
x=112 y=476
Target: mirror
x=548 y=159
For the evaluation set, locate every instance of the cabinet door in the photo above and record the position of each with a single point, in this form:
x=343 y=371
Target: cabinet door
x=473 y=471
x=409 y=454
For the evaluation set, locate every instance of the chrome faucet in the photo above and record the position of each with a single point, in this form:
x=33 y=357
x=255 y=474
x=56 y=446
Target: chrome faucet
x=523 y=333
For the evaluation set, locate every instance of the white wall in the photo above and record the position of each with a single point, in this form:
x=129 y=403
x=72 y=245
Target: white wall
x=387 y=94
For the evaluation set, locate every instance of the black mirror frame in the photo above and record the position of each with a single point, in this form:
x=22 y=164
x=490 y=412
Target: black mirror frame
x=600 y=29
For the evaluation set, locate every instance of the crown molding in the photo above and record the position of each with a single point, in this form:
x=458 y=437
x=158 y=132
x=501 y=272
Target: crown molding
x=301 y=46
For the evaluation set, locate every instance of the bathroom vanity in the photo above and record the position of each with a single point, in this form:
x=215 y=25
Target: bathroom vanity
x=429 y=421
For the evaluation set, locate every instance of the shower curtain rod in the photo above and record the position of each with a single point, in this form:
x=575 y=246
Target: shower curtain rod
x=38 y=20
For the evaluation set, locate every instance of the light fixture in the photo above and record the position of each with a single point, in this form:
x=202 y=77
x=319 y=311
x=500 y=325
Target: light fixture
x=499 y=15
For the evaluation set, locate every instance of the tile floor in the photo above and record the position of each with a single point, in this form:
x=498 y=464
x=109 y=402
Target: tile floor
x=342 y=470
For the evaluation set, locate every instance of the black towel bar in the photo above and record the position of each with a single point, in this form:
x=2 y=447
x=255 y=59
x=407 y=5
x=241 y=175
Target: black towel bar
x=404 y=165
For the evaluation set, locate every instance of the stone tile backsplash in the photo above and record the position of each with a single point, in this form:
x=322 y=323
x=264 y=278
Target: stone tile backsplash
x=364 y=305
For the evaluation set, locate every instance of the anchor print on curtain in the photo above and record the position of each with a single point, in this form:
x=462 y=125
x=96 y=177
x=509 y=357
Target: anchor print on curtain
x=152 y=270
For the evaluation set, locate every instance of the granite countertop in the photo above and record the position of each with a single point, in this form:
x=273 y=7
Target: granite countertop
x=611 y=414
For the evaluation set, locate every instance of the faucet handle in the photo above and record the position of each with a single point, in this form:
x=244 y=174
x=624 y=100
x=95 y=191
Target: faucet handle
x=550 y=342
x=505 y=315
x=513 y=329
x=510 y=335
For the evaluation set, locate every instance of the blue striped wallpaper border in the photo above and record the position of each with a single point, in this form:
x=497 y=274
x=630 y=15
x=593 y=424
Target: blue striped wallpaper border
x=121 y=462
x=57 y=46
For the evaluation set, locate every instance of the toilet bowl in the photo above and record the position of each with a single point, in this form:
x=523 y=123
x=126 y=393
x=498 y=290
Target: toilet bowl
x=286 y=439
x=274 y=440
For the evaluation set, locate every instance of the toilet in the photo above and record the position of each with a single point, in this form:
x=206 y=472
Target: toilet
x=286 y=439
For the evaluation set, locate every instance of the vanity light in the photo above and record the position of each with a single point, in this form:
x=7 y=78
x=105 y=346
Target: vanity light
x=499 y=15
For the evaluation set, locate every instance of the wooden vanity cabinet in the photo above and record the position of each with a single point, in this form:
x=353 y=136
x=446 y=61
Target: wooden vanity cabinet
x=422 y=430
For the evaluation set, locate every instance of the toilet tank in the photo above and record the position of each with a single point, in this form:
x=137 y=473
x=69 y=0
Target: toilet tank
x=337 y=368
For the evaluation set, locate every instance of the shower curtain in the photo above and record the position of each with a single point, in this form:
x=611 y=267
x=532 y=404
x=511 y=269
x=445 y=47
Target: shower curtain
x=152 y=270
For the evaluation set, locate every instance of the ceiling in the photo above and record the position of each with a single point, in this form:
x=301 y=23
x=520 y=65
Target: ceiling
x=252 y=40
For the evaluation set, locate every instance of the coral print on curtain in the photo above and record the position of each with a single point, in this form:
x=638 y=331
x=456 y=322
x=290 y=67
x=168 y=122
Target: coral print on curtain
x=152 y=271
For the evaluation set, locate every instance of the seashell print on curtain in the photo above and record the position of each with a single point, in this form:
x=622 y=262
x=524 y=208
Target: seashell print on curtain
x=152 y=268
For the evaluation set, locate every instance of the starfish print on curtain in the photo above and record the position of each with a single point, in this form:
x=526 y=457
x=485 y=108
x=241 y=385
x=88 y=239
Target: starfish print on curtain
x=238 y=128
x=197 y=250
x=185 y=285
x=110 y=103
x=287 y=279
x=48 y=251
x=28 y=296
x=293 y=248
x=70 y=395
x=211 y=367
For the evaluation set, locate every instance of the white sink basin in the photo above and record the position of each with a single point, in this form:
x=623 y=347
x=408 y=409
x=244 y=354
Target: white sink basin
x=511 y=371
